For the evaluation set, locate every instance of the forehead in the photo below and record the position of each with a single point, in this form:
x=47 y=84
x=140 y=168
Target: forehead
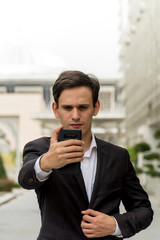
x=77 y=94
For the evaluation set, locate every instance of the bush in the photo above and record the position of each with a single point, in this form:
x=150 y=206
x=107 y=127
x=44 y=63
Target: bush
x=150 y=166
x=142 y=147
x=133 y=154
x=16 y=185
x=158 y=146
x=153 y=173
x=138 y=170
x=2 y=169
x=6 y=185
x=152 y=156
x=157 y=133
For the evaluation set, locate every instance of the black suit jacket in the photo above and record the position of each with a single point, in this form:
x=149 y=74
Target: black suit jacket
x=62 y=197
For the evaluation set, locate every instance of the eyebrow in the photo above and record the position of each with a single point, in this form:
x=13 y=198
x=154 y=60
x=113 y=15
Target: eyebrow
x=69 y=105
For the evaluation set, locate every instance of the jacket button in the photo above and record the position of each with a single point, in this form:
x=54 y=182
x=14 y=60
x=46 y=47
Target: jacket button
x=30 y=180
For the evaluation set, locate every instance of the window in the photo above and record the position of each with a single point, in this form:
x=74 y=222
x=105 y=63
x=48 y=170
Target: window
x=107 y=98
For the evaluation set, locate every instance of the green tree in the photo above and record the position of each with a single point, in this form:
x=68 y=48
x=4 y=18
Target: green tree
x=157 y=134
x=152 y=156
x=142 y=147
x=133 y=154
x=2 y=169
x=5 y=183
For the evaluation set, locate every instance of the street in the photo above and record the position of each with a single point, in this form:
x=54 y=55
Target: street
x=20 y=220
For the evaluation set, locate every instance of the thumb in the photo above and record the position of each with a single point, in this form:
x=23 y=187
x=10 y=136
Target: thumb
x=55 y=134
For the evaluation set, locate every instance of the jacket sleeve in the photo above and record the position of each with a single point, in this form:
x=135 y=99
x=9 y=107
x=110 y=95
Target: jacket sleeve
x=32 y=151
x=139 y=213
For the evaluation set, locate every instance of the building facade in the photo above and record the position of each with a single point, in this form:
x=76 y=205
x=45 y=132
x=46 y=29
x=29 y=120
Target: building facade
x=140 y=64
x=26 y=114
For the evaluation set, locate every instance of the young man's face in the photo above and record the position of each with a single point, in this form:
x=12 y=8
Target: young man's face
x=75 y=109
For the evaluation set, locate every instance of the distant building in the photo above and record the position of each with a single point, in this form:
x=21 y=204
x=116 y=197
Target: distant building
x=26 y=99
x=140 y=64
x=25 y=110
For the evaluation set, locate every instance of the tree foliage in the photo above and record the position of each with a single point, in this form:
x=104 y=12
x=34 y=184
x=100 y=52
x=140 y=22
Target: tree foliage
x=2 y=169
x=157 y=134
x=152 y=156
x=142 y=147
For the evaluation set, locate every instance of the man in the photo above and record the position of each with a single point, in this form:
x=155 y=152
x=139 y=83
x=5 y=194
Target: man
x=84 y=205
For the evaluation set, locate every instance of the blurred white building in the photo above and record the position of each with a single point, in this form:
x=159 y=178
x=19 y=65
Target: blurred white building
x=26 y=97
x=140 y=64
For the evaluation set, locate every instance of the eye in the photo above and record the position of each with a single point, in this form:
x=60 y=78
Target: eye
x=67 y=108
x=83 y=107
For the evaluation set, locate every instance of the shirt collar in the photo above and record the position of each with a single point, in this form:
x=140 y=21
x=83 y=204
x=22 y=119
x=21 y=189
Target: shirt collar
x=93 y=145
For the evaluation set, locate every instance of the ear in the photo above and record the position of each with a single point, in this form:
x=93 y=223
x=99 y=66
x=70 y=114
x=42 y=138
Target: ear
x=55 y=109
x=96 y=108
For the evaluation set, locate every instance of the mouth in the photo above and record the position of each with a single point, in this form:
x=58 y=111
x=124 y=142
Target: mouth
x=76 y=125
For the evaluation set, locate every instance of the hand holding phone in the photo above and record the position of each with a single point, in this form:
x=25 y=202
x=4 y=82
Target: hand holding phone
x=66 y=134
x=64 y=156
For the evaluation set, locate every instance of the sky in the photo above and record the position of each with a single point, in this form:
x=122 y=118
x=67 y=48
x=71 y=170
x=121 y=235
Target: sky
x=73 y=34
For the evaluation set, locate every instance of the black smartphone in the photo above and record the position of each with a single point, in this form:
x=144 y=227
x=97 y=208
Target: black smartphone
x=66 y=134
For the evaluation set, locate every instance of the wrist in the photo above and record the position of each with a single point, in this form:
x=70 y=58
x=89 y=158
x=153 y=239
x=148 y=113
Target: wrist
x=44 y=163
x=117 y=230
x=112 y=225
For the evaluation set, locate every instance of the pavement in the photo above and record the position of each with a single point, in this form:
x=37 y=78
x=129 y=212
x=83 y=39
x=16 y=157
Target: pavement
x=8 y=196
x=20 y=217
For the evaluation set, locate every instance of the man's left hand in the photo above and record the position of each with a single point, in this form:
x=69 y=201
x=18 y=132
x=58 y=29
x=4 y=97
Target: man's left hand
x=97 y=224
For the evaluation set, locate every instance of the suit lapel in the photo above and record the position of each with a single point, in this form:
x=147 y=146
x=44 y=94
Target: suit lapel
x=101 y=158
x=102 y=155
x=81 y=184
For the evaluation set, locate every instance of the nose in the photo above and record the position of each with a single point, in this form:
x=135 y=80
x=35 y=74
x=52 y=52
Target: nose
x=75 y=114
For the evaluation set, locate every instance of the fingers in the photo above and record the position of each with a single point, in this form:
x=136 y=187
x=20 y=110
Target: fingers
x=87 y=219
x=64 y=152
x=71 y=149
x=97 y=224
x=55 y=134
x=88 y=229
x=90 y=212
x=70 y=157
x=72 y=142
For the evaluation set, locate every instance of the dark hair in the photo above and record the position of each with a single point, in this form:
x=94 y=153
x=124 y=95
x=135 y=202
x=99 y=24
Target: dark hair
x=71 y=79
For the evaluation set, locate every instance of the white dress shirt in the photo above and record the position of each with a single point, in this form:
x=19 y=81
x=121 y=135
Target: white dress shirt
x=88 y=168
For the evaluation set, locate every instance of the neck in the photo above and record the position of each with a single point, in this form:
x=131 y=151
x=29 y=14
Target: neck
x=87 y=139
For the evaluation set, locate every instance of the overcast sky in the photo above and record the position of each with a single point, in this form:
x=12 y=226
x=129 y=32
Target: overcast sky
x=81 y=34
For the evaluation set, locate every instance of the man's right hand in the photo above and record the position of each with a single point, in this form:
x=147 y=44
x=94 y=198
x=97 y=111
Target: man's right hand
x=61 y=153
